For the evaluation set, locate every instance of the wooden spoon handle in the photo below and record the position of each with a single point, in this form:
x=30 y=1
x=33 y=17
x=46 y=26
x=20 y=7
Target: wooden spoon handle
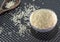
x=1 y=10
x=3 y=3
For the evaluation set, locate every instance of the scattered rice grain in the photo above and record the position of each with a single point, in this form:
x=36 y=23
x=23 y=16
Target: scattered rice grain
x=19 y=15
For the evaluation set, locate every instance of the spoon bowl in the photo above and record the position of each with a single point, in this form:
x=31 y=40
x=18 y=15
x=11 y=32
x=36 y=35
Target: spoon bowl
x=4 y=9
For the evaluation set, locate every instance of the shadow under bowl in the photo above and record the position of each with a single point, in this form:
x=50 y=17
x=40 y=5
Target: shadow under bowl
x=44 y=35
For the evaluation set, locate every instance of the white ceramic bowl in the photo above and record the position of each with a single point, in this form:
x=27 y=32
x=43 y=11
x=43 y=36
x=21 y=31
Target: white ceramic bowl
x=49 y=28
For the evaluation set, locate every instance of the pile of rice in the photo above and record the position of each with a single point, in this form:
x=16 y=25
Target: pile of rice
x=43 y=18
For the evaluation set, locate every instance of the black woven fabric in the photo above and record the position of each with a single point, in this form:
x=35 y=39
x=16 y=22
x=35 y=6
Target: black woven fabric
x=10 y=27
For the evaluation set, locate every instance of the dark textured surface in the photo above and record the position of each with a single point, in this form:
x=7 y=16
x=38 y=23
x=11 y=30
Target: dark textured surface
x=10 y=27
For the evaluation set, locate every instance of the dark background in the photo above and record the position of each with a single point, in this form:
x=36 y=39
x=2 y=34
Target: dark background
x=9 y=26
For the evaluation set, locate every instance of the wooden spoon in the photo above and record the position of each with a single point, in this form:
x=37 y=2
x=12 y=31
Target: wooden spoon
x=4 y=9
